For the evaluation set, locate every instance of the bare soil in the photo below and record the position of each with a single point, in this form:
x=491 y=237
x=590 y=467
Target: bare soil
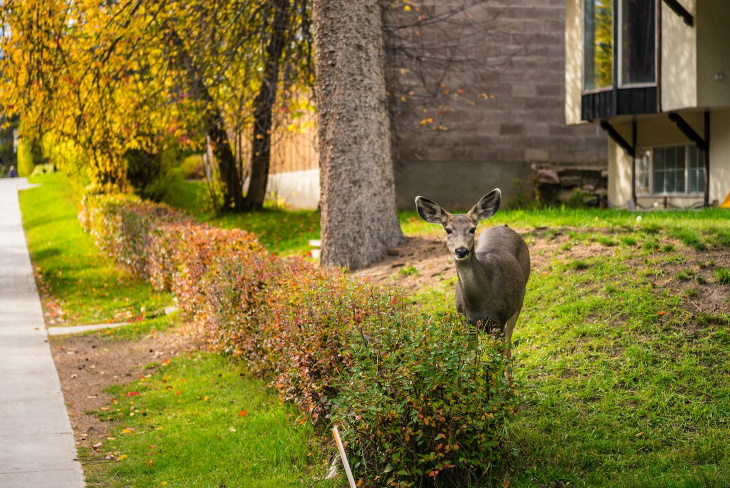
x=418 y=261
x=88 y=365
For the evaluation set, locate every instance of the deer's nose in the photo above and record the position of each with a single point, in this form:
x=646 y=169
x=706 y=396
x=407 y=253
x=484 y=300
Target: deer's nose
x=461 y=253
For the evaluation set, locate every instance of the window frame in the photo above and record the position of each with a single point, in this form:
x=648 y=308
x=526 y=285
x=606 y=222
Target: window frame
x=643 y=191
x=617 y=81
x=618 y=50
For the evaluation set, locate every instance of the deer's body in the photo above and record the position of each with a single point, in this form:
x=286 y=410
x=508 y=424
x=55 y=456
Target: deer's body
x=492 y=275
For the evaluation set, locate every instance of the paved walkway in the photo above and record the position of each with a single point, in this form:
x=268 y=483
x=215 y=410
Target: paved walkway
x=37 y=447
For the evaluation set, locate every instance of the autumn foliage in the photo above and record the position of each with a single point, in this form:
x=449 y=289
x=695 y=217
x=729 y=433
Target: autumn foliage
x=418 y=399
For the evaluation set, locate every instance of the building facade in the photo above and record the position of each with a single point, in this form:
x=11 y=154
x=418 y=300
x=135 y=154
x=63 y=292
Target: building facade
x=477 y=99
x=654 y=75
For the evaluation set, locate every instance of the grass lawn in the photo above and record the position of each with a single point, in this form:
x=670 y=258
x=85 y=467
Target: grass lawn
x=200 y=421
x=623 y=362
x=283 y=232
x=78 y=283
x=622 y=359
x=621 y=349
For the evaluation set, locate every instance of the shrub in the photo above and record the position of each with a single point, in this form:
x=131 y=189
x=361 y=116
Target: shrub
x=29 y=155
x=418 y=399
x=422 y=402
x=195 y=249
x=152 y=174
x=314 y=317
x=235 y=302
x=121 y=225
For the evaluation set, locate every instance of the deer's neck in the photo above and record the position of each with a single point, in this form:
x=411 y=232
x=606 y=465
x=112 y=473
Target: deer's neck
x=473 y=279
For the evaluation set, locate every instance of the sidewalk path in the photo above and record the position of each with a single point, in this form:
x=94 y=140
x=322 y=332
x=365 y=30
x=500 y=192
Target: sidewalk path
x=37 y=447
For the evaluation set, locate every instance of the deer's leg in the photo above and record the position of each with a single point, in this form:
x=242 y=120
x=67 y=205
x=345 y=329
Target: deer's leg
x=509 y=327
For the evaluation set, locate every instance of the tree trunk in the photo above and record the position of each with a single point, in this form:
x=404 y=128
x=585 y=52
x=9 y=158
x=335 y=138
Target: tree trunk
x=359 y=218
x=264 y=106
x=214 y=126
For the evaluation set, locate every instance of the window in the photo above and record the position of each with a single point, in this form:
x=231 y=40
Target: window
x=669 y=167
x=598 y=42
x=619 y=40
x=695 y=170
x=638 y=41
x=643 y=173
x=671 y=170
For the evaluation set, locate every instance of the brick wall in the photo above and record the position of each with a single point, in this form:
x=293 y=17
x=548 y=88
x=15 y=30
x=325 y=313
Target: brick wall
x=490 y=89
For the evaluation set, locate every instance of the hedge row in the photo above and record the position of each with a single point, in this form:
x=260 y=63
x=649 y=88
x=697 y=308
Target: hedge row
x=420 y=400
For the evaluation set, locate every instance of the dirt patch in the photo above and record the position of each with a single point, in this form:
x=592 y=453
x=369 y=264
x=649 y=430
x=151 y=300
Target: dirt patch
x=89 y=364
x=423 y=261
x=415 y=263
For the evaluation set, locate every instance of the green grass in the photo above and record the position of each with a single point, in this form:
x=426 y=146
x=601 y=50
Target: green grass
x=624 y=380
x=201 y=421
x=280 y=231
x=80 y=284
x=192 y=435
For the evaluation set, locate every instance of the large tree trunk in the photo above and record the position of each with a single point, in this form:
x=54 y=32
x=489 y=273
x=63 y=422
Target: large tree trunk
x=359 y=218
x=264 y=106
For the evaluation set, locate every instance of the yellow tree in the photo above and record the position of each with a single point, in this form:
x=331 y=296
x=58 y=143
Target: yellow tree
x=144 y=74
x=67 y=71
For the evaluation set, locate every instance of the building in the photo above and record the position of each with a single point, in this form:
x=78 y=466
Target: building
x=655 y=75
x=487 y=109
x=477 y=95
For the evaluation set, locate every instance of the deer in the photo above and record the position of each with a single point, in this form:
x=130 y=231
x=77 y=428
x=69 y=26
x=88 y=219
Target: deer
x=491 y=276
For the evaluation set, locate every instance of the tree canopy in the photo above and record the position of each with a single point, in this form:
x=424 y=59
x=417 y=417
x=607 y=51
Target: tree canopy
x=114 y=76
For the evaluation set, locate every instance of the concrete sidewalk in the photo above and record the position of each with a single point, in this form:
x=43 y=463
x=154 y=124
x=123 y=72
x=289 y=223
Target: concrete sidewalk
x=37 y=446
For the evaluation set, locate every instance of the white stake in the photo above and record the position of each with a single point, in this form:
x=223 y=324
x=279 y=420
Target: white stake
x=341 y=448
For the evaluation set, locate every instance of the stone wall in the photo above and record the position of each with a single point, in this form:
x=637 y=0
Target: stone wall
x=478 y=100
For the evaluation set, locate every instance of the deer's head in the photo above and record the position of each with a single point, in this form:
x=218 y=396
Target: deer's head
x=460 y=228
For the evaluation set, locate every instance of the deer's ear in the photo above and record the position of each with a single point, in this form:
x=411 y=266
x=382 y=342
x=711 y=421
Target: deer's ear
x=431 y=211
x=487 y=206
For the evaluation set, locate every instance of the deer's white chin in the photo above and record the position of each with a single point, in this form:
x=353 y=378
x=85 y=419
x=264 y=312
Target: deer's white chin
x=457 y=258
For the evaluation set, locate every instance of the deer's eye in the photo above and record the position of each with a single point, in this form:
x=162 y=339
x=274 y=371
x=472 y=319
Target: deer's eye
x=472 y=230
x=449 y=231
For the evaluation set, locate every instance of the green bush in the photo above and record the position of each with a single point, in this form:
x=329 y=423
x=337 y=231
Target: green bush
x=29 y=155
x=153 y=174
x=421 y=405
x=418 y=399
x=121 y=225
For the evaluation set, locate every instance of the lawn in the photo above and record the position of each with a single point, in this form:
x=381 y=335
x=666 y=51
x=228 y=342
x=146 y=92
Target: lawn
x=622 y=359
x=195 y=420
x=201 y=421
x=621 y=353
x=78 y=284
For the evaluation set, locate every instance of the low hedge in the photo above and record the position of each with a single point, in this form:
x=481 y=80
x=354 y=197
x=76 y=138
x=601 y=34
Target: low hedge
x=421 y=401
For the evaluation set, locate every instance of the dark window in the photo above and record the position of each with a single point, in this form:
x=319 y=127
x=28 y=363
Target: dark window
x=638 y=42
x=619 y=58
